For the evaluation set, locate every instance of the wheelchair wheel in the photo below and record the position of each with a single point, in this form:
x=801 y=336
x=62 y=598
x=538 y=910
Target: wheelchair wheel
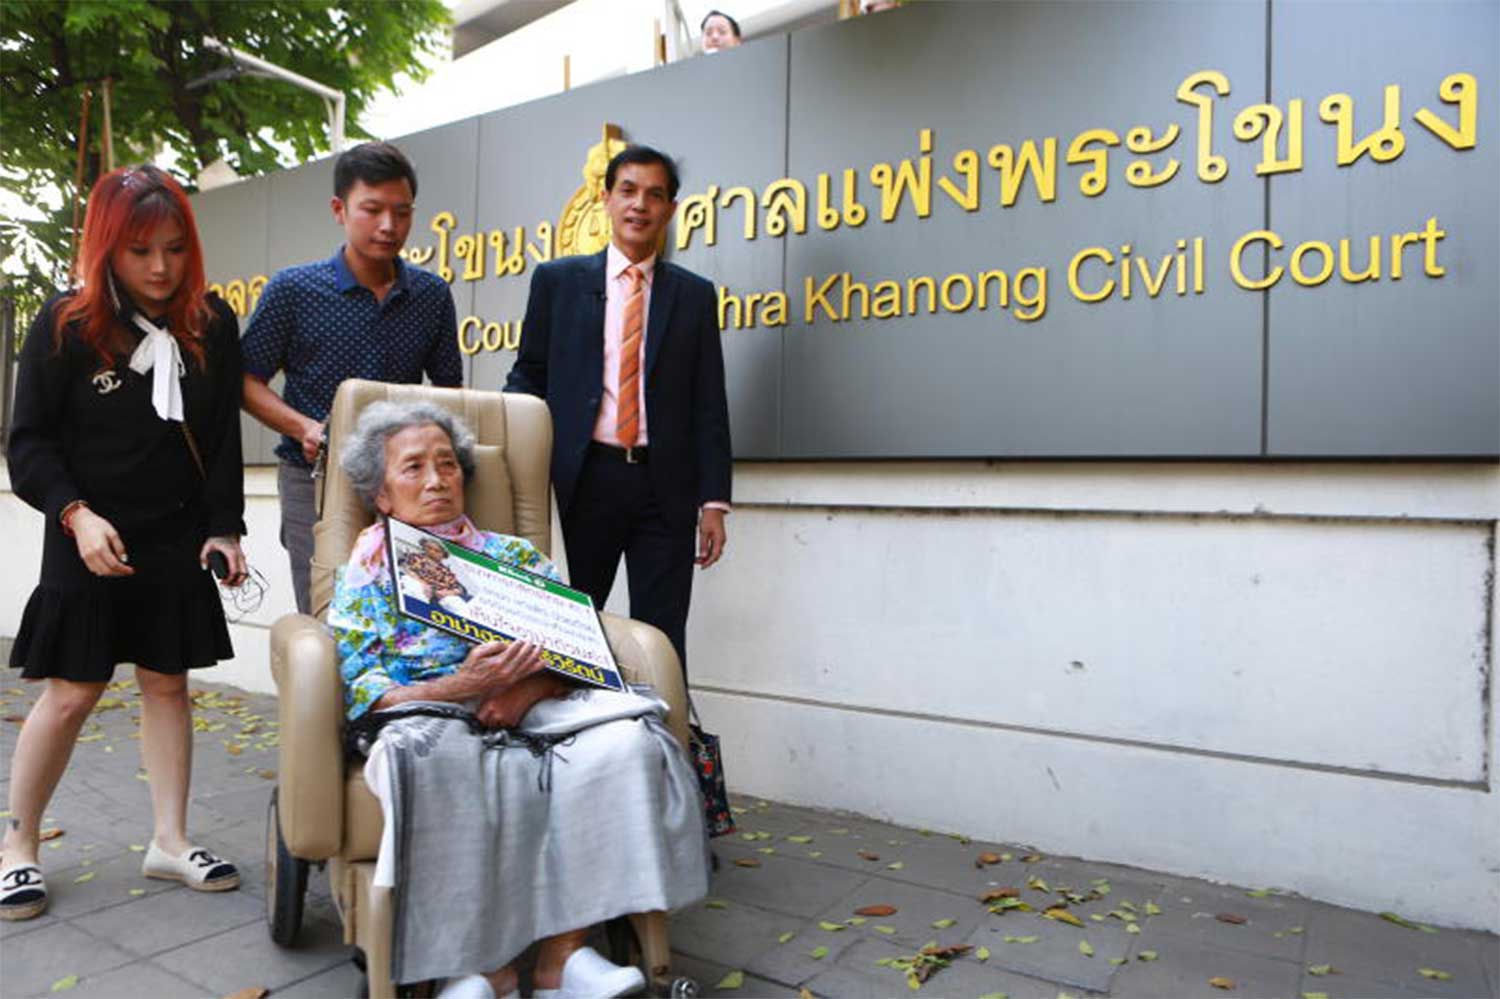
x=286 y=882
x=625 y=949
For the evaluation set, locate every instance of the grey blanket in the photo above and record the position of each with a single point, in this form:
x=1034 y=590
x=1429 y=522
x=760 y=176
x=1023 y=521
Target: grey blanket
x=591 y=811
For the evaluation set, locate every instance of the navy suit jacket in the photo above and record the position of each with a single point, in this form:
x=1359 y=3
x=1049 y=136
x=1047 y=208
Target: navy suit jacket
x=561 y=360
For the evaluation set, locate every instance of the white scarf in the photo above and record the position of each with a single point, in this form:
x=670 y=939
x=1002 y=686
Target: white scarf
x=159 y=351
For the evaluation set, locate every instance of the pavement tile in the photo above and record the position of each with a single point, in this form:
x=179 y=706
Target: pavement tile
x=170 y=919
x=731 y=936
x=1184 y=974
x=34 y=961
x=340 y=982
x=709 y=973
x=917 y=908
x=792 y=963
x=114 y=877
x=142 y=980
x=785 y=884
x=856 y=973
x=1189 y=914
x=1362 y=945
x=14 y=929
x=1055 y=955
x=246 y=956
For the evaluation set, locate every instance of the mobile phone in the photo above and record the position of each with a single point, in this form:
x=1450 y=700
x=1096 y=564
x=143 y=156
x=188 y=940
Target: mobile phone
x=218 y=564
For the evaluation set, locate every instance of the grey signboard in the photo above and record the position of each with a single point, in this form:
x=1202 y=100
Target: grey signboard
x=1018 y=229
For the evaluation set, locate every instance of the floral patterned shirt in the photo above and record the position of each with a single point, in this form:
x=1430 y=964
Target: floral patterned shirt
x=379 y=649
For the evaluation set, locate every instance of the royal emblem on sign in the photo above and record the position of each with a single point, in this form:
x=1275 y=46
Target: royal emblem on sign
x=584 y=225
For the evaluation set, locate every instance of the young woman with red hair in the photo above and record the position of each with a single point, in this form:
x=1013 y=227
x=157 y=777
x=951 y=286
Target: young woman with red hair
x=126 y=436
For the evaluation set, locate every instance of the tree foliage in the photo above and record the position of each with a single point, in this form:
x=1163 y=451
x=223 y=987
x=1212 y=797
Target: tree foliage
x=52 y=51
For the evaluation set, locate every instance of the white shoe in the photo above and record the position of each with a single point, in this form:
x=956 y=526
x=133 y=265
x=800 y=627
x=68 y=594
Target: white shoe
x=23 y=893
x=587 y=974
x=196 y=868
x=472 y=987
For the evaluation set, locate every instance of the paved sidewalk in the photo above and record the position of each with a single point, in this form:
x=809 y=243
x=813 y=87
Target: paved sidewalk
x=782 y=916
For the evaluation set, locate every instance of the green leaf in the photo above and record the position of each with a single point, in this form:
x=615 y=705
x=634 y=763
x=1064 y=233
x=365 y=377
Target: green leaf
x=1117 y=960
x=995 y=995
x=815 y=854
x=856 y=920
x=898 y=865
x=982 y=953
x=1392 y=917
x=785 y=937
x=830 y=927
x=1315 y=995
x=767 y=850
x=1085 y=948
x=136 y=892
x=818 y=953
x=1146 y=955
x=733 y=980
x=943 y=924
x=1152 y=909
x=1021 y=940
x=65 y=983
x=715 y=903
x=1132 y=928
x=1433 y=973
x=83 y=878
x=889 y=931
x=913 y=982
x=1319 y=970
x=799 y=839
x=1260 y=892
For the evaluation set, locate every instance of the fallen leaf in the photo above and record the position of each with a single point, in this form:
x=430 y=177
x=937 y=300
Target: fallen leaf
x=137 y=892
x=749 y=837
x=747 y=862
x=1063 y=916
x=982 y=954
x=767 y=850
x=1320 y=969
x=876 y=910
x=815 y=854
x=1220 y=982
x=1117 y=960
x=1022 y=940
x=987 y=858
x=804 y=994
x=1315 y=995
x=995 y=995
x=830 y=927
x=1037 y=883
x=799 y=839
x=137 y=848
x=234 y=749
x=715 y=903
x=1152 y=909
x=996 y=894
x=1132 y=928
x=1295 y=930
x=1031 y=858
x=1261 y=892
x=856 y=920
x=1391 y=917
x=733 y=980
x=785 y=937
x=253 y=992
x=1146 y=955
x=898 y=865
x=1085 y=948
x=83 y=878
x=49 y=834
x=887 y=930
x=1433 y=973
x=818 y=953
x=65 y=983
x=1097 y=918
x=867 y=855
x=266 y=774
x=1232 y=918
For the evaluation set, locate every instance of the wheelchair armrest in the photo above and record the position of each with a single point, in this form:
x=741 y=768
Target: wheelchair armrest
x=310 y=703
x=646 y=656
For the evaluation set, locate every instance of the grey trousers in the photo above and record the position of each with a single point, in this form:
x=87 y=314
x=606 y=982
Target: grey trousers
x=297 y=489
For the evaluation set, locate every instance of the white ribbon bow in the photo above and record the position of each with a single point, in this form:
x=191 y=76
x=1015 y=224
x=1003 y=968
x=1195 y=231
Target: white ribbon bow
x=159 y=351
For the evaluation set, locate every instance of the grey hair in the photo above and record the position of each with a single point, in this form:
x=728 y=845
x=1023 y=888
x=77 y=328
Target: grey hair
x=363 y=456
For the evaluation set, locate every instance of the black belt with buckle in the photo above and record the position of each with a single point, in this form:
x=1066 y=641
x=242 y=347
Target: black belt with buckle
x=629 y=455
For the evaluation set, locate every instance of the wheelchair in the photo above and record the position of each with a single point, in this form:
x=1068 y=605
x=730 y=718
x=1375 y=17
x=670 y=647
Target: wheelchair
x=322 y=812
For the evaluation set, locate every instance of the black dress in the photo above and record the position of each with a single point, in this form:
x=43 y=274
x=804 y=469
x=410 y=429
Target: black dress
x=82 y=430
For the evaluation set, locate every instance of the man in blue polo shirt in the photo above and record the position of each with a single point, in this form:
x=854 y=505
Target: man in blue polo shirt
x=362 y=313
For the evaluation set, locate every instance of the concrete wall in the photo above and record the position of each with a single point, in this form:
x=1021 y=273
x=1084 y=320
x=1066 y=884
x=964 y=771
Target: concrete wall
x=1271 y=674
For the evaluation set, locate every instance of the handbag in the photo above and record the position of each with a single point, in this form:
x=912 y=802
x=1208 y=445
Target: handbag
x=708 y=761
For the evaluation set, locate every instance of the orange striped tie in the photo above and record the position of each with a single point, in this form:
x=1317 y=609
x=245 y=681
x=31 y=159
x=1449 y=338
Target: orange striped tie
x=628 y=399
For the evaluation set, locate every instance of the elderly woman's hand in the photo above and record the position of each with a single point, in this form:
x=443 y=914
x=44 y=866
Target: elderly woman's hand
x=509 y=706
x=493 y=667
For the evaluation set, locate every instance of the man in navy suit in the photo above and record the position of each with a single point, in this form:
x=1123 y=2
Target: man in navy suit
x=624 y=347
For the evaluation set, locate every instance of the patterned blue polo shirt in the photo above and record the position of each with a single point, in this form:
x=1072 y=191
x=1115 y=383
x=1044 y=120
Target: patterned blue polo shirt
x=321 y=326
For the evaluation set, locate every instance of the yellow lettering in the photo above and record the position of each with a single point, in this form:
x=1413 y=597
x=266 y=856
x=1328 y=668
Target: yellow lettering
x=466 y=345
x=819 y=297
x=1079 y=258
x=1312 y=280
x=1430 y=236
x=948 y=283
x=1037 y=300
x=850 y=289
x=1272 y=275
x=728 y=302
x=887 y=300
x=912 y=284
x=986 y=278
x=1370 y=273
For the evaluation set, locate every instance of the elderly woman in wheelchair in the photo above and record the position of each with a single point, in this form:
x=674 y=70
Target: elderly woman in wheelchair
x=518 y=807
